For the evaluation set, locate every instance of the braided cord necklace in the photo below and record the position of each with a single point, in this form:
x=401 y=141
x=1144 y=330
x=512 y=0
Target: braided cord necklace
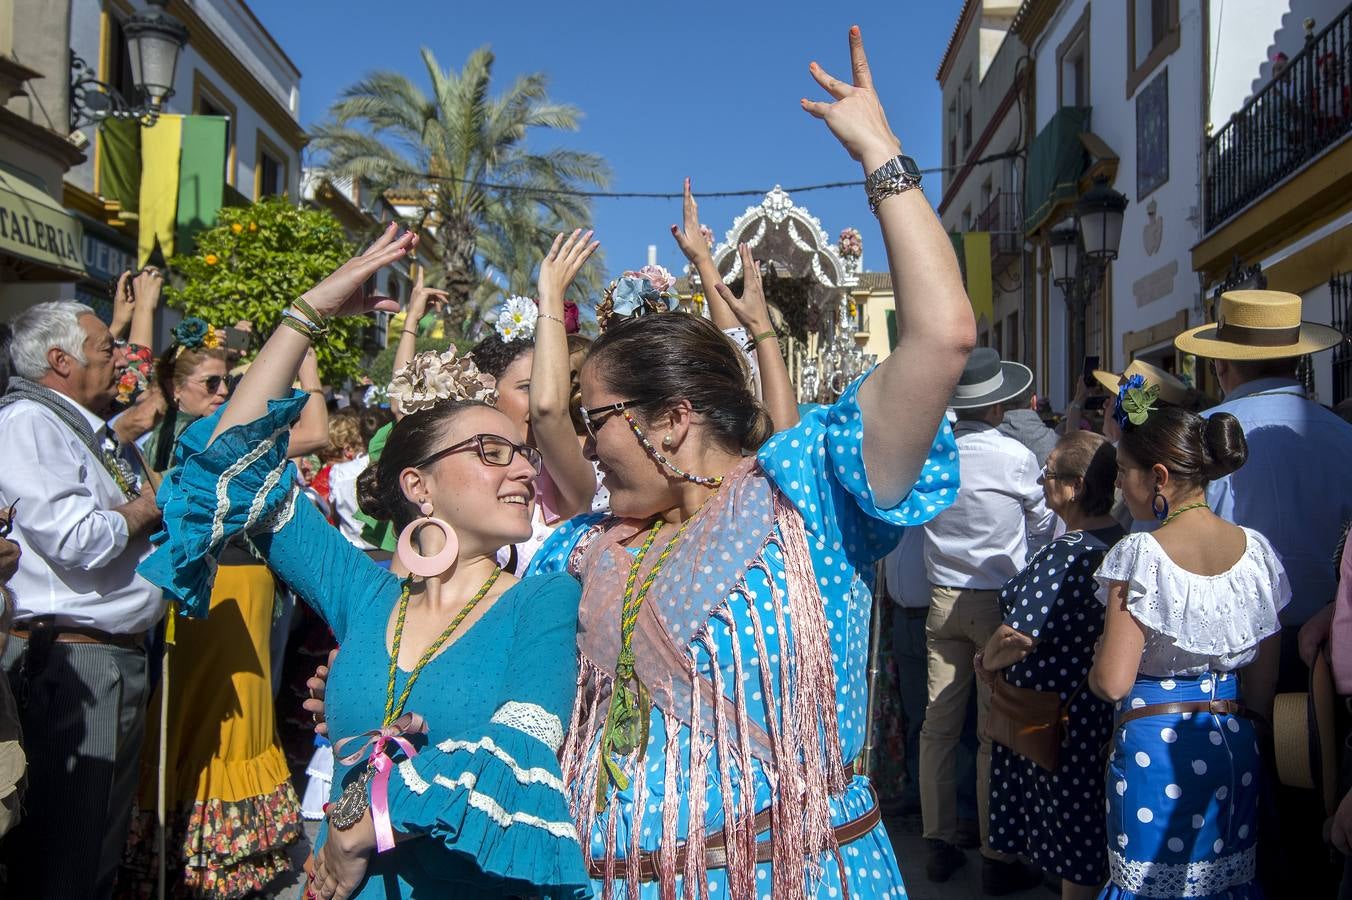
x=1181 y=510
x=393 y=709
x=626 y=725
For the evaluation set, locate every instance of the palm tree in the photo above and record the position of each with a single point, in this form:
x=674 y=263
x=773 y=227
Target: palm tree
x=488 y=198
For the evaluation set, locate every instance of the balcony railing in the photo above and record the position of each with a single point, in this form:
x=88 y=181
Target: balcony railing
x=1003 y=218
x=1300 y=112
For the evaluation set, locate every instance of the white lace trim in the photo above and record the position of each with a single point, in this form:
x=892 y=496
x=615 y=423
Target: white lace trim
x=229 y=475
x=1193 y=879
x=412 y=780
x=277 y=520
x=491 y=808
x=534 y=775
x=533 y=720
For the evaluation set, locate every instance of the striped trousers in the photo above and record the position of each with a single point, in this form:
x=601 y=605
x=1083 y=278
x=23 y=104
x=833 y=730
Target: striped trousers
x=83 y=708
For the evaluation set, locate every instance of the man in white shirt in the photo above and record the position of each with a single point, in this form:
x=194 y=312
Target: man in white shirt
x=971 y=550
x=76 y=657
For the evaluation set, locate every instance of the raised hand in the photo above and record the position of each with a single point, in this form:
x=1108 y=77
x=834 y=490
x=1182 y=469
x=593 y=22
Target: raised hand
x=147 y=285
x=344 y=292
x=565 y=259
x=750 y=309
x=856 y=116
x=689 y=236
x=421 y=295
x=124 y=304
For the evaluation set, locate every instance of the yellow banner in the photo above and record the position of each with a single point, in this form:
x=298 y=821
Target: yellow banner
x=976 y=251
x=161 y=147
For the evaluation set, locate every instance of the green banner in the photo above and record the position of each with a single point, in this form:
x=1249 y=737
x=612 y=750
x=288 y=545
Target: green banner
x=120 y=162
x=201 y=177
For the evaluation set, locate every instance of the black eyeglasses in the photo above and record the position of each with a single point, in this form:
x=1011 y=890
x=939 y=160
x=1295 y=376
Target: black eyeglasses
x=1047 y=475
x=7 y=520
x=595 y=417
x=493 y=449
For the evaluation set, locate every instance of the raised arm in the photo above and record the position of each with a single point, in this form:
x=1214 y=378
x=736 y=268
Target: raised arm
x=690 y=238
x=341 y=294
x=408 y=336
x=753 y=314
x=310 y=434
x=903 y=401
x=124 y=304
x=551 y=421
x=146 y=288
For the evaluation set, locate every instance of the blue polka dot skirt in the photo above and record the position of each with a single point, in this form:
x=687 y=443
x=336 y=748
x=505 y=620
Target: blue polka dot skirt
x=1183 y=796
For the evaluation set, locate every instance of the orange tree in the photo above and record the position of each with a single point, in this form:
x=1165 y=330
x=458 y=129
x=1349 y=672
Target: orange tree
x=254 y=262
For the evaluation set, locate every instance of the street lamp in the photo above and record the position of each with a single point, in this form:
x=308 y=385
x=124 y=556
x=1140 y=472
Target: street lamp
x=154 y=39
x=1081 y=250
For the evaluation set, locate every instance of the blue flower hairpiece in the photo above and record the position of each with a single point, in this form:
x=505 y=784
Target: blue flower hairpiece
x=1135 y=401
x=192 y=333
x=633 y=295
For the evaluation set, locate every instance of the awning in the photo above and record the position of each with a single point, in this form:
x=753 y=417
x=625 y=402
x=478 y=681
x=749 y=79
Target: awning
x=1056 y=160
x=36 y=229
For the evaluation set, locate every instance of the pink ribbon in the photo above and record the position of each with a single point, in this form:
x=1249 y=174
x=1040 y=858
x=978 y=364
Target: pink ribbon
x=379 y=759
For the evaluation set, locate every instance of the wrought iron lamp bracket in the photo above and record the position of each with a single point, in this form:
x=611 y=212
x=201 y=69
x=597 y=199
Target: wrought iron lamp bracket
x=93 y=101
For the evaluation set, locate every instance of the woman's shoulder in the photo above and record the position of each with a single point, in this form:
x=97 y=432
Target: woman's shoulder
x=553 y=584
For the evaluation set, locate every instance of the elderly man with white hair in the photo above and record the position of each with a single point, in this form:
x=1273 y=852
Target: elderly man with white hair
x=76 y=656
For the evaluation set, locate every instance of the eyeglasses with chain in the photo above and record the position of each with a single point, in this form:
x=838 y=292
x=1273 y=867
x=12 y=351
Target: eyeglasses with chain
x=493 y=450
x=593 y=419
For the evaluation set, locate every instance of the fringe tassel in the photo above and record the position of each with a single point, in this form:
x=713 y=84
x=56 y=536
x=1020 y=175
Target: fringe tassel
x=671 y=804
x=726 y=756
x=612 y=821
x=696 y=872
x=576 y=739
x=786 y=818
x=742 y=881
x=638 y=778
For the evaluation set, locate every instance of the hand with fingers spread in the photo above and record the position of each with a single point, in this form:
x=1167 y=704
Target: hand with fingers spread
x=344 y=292
x=689 y=234
x=340 y=865
x=856 y=116
x=751 y=310
x=560 y=266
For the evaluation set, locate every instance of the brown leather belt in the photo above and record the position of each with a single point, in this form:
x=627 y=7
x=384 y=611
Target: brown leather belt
x=78 y=634
x=716 y=853
x=1215 y=707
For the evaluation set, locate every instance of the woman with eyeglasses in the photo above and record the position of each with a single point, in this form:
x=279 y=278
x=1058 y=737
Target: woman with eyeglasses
x=447 y=702
x=233 y=812
x=1046 y=810
x=724 y=623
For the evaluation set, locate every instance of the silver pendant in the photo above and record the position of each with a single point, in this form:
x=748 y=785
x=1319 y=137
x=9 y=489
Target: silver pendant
x=353 y=802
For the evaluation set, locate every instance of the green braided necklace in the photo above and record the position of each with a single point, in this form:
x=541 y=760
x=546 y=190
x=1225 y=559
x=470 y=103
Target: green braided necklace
x=626 y=725
x=1181 y=510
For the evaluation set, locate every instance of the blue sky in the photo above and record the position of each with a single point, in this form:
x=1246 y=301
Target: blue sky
x=700 y=89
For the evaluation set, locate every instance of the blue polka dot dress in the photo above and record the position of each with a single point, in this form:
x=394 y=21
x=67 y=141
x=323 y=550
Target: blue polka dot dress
x=817 y=466
x=1055 y=819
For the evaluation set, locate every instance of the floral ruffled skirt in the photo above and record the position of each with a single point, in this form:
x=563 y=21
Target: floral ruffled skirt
x=232 y=813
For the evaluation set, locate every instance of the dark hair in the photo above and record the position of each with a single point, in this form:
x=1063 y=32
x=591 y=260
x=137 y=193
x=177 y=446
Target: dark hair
x=577 y=346
x=372 y=419
x=1194 y=450
x=171 y=368
x=493 y=355
x=1092 y=458
x=413 y=438
x=655 y=360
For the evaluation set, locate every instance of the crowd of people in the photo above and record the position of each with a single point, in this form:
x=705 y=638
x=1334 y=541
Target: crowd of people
x=575 y=617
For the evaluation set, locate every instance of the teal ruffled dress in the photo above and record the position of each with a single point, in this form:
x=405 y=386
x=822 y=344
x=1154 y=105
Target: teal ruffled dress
x=483 y=795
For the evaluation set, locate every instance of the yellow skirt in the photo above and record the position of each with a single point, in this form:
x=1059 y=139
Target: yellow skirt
x=232 y=811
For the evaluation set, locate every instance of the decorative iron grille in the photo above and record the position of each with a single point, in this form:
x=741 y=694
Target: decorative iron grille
x=1340 y=293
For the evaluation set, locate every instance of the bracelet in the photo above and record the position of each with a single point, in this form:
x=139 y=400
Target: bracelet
x=756 y=339
x=555 y=318
x=409 y=331
x=298 y=325
x=316 y=320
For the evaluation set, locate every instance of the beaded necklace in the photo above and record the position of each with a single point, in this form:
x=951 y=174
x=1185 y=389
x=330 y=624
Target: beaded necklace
x=626 y=725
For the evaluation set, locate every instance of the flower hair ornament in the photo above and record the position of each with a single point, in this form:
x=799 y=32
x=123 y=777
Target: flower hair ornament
x=431 y=377
x=637 y=293
x=1135 y=401
x=515 y=319
x=195 y=334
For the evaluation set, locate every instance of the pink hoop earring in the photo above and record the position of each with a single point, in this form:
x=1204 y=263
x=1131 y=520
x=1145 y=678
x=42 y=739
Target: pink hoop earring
x=415 y=562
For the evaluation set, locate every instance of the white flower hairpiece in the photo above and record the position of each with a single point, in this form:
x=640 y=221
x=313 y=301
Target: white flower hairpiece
x=431 y=377
x=516 y=319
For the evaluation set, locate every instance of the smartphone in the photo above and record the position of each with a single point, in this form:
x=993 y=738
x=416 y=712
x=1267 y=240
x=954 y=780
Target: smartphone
x=1090 y=364
x=236 y=340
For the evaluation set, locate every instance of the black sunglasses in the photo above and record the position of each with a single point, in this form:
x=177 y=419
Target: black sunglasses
x=595 y=417
x=7 y=521
x=493 y=449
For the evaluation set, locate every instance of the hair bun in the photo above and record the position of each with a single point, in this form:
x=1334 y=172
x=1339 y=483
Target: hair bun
x=1225 y=447
x=370 y=499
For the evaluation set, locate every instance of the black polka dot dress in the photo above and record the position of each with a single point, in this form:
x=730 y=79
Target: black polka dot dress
x=1055 y=819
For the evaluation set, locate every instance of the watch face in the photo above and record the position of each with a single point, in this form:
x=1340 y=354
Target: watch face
x=909 y=168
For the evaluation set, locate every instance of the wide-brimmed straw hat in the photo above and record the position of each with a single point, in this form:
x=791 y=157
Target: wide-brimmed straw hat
x=1253 y=325
x=1303 y=732
x=1172 y=390
x=988 y=380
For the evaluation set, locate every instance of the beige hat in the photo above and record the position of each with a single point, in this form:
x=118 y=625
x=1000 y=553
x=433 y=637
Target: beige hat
x=1172 y=391
x=1253 y=325
x=1306 y=747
